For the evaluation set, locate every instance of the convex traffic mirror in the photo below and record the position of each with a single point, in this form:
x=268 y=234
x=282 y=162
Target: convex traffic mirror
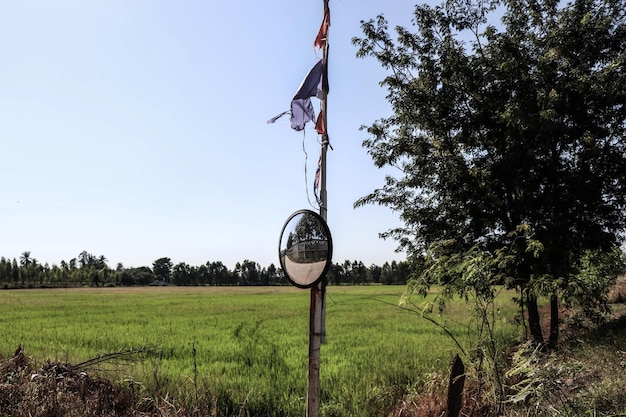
x=305 y=248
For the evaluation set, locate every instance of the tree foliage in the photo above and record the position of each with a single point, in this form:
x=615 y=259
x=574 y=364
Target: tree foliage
x=498 y=126
x=90 y=270
x=162 y=268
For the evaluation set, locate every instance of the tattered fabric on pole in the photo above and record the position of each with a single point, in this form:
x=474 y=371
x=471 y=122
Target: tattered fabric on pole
x=314 y=84
x=322 y=35
x=301 y=106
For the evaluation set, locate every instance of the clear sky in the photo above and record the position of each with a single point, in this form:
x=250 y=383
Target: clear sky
x=137 y=129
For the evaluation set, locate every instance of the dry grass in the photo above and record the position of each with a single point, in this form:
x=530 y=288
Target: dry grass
x=586 y=376
x=58 y=390
x=63 y=390
x=432 y=401
x=617 y=294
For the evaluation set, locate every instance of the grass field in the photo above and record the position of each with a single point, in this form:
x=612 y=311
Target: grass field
x=244 y=344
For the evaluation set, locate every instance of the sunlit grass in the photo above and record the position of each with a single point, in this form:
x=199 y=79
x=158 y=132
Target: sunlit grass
x=251 y=344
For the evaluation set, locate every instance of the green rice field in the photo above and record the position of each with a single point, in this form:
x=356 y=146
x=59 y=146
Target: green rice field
x=241 y=345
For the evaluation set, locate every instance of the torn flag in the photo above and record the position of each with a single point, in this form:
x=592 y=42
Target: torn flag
x=322 y=35
x=320 y=125
x=278 y=116
x=301 y=106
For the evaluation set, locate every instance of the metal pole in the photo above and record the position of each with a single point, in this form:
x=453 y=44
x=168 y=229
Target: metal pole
x=323 y=194
x=317 y=314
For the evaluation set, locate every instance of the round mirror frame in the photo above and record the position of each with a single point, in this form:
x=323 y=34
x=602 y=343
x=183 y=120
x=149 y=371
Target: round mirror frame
x=298 y=281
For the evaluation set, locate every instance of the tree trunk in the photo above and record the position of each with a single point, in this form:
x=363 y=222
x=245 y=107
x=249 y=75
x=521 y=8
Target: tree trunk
x=554 y=322
x=534 y=322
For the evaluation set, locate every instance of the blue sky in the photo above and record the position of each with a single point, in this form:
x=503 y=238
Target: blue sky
x=137 y=129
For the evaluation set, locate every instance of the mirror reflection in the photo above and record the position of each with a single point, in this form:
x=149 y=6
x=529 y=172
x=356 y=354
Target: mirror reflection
x=305 y=248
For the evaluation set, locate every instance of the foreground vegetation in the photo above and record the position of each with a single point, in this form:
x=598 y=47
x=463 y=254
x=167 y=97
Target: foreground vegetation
x=243 y=347
x=178 y=351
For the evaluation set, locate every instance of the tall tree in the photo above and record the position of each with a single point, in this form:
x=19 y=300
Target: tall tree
x=162 y=268
x=15 y=271
x=101 y=262
x=86 y=259
x=25 y=258
x=218 y=272
x=184 y=274
x=248 y=272
x=25 y=270
x=272 y=274
x=497 y=129
x=374 y=273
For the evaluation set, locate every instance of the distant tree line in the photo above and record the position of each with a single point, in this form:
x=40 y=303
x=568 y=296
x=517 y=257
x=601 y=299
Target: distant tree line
x=90 y=270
